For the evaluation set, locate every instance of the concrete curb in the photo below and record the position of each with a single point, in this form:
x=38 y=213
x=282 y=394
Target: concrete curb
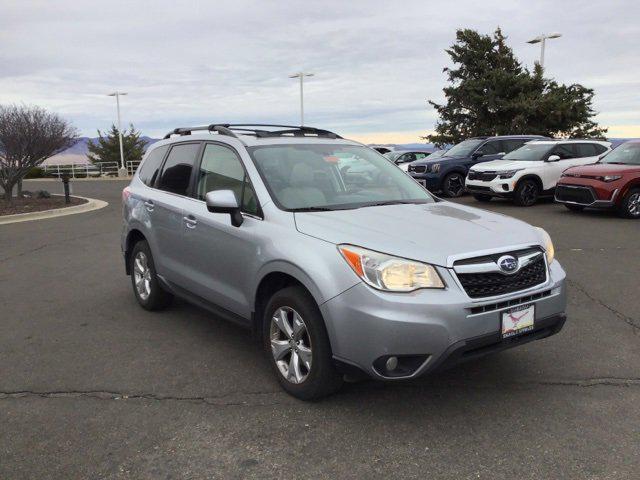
x=92 y=204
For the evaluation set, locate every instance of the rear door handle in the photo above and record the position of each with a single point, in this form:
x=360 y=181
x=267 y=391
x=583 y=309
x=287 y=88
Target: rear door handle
x=149 y=205
x=190 y=221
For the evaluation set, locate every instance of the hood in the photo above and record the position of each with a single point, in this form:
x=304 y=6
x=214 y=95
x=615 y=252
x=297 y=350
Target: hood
x=426 y=232
x=503 y=165
x=599 y=169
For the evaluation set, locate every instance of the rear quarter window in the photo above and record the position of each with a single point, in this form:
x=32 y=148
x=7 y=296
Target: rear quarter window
x=151 y=166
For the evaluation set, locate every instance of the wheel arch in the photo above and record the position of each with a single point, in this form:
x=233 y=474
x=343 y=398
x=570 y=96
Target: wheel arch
x=530 y=176
x=133 y=237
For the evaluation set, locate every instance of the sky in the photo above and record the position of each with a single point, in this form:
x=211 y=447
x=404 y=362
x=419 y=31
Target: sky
x=375 y=63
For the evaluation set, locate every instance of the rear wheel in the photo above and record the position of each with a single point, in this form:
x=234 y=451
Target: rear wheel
x=144 y=279
x=453 y=185
x=526 y=193
x=574 y=208
x=481 y=197
x=297 y=345
x=630 y=206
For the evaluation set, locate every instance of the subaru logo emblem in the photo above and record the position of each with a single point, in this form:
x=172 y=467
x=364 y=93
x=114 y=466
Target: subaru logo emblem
x=508 y=264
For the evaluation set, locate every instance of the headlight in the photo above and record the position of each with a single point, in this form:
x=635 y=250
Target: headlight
x=435 y=168
x=392 y=274
x=548 y=245
x=508 y=174
x=610 y=178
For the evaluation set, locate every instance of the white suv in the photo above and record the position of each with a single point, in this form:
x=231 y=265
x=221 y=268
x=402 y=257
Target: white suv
x=532 y=170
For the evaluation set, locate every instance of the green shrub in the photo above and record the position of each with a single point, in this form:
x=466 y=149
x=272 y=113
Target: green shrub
x=35 y=172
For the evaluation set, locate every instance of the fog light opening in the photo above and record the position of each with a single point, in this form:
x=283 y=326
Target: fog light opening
x=391 y=364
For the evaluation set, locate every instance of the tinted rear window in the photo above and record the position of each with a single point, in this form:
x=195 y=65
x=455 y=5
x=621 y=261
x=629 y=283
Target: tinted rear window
x=176 y=172
x=151 y=166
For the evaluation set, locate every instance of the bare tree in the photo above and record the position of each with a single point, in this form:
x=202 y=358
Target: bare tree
x=28 y=136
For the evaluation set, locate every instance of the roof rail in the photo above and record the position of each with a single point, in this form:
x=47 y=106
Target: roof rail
x=229 y=129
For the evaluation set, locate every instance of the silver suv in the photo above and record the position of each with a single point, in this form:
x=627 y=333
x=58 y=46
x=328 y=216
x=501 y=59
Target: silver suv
x=337 y=273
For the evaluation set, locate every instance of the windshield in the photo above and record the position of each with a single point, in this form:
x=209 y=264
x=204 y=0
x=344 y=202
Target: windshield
x=333 y=177
x=464 y=149
x=530 y=152
x=627 y=154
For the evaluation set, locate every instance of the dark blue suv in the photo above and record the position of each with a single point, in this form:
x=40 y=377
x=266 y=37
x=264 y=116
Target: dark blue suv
x=446 y=174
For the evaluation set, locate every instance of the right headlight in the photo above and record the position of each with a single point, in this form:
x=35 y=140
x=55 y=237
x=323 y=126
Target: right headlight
x=508 y=174
x=435 y=168
x=548 y=245
x=389 y=273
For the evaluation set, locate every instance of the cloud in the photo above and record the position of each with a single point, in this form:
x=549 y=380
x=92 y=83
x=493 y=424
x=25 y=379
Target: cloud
x=375 y=63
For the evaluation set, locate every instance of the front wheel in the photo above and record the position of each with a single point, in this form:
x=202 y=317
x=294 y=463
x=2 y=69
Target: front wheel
x=630 y=206
x=453 y=185
x=526 y=193
x=297 y=345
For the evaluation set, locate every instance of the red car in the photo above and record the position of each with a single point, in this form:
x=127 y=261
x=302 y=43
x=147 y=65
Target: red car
x=613 y=182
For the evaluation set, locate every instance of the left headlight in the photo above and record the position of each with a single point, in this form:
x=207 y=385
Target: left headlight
x=435 y=168
x=548 y=245
x=508 y=174
x=389 y=273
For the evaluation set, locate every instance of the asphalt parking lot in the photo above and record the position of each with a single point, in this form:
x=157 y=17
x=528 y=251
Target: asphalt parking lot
x=92 y=386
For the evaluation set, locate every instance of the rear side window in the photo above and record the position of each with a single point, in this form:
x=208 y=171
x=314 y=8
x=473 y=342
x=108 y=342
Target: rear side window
x=586 y=150
x=221 y=169
x=151 y=166
x=176 y=172
x=511 y=145
x=599 y=148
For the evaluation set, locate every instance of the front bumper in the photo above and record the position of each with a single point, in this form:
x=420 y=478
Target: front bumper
x=497 y=187
x=431 y=181
x=441 y=326
x=591 y=196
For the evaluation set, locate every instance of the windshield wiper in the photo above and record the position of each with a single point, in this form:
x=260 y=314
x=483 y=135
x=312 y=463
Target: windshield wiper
x=392 y=202
x=314 y=209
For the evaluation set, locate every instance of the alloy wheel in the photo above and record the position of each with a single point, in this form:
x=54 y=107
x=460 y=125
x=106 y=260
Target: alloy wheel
x=142 y=275
x=455 y=185
x=290 y=344
x=633 y=206
x=529 y=193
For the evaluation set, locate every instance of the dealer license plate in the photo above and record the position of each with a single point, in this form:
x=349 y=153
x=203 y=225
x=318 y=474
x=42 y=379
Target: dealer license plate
x=518 y=320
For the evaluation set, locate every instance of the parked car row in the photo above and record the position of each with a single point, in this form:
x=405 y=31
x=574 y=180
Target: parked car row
x=578 y=173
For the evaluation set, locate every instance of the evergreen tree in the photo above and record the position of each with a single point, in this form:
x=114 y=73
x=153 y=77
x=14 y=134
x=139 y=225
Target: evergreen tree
x=107 y=147
x=491 y=93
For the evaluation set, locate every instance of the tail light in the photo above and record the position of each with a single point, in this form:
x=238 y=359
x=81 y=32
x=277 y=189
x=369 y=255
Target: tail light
x=126 y=193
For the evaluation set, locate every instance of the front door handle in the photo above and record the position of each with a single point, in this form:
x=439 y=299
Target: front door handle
x=190 y=221
x=149 y=205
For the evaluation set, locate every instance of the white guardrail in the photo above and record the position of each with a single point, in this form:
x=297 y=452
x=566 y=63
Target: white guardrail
x=84 y=170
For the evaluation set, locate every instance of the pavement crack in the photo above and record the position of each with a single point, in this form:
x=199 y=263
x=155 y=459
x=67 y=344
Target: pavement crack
x=41 y=247
x=240 y=399
x=635 y=324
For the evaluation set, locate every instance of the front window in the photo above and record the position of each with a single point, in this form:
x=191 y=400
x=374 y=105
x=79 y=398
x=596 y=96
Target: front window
x=464 y=149
x=531 y=152
x=625 y=154
x=333 y=177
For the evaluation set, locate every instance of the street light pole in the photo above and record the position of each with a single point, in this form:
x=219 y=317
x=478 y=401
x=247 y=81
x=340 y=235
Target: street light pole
x=542 y=40
x=117 y=95
x=301 y=76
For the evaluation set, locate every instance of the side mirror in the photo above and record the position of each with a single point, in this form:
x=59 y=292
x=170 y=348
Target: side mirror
x=224 y=201
x=553 y=158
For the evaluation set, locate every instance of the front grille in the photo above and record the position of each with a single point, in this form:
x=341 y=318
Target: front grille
x=417 y=168
x=509 y=303
x=582 y=195
x=478 y=188
x=482 y=176
x=490 y=284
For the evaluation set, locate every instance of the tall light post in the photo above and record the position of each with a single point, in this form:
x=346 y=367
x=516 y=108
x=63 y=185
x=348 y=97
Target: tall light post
x=542 y=40
x=117 y=94
x=301 y=76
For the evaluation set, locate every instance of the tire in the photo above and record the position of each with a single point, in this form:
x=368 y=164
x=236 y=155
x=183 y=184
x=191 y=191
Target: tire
x=574 y=208
x=453 y=185
x=526 y=193
x=288 y=337
x=144 y=279
x=630 y=205
x=481 y=197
